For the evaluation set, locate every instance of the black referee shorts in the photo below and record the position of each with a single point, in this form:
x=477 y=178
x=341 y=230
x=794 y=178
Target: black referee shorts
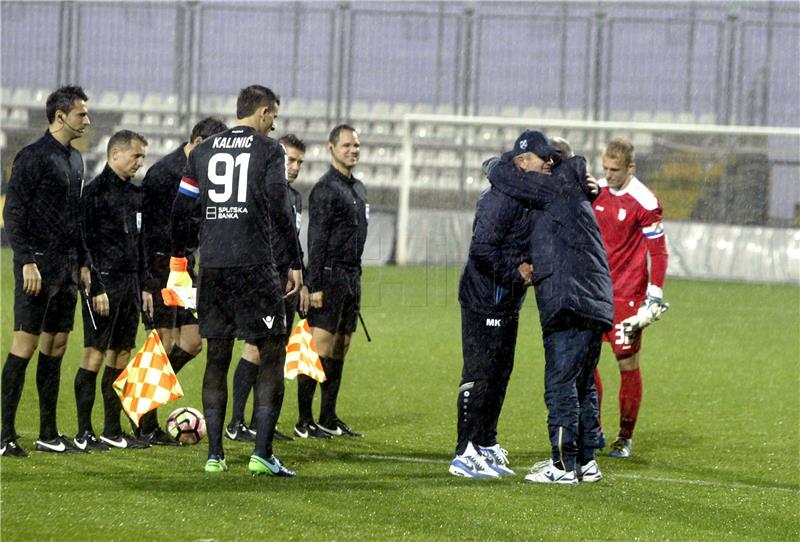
x=341 y=302
x=117 y=331
x=53 y=310
x=240 y=302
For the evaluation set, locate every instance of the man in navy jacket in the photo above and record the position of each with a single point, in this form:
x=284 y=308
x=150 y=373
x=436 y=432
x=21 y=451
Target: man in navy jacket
x=575 y=299
x=491 y=292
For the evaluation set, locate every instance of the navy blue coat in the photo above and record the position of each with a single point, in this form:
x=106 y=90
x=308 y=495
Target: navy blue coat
x=570 y=266
x=491 y=283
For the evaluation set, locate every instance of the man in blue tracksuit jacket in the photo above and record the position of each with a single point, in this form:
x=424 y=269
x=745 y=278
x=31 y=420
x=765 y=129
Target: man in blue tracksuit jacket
x=575 y=299
x=491 y=292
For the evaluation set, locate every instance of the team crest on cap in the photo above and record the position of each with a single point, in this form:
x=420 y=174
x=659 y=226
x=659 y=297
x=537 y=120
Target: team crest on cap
x=523 y=144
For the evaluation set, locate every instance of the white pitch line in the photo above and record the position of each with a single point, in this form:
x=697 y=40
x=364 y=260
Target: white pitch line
x=704 y=483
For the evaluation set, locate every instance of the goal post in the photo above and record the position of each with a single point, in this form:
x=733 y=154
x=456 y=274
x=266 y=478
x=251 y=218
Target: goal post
x=707 y=173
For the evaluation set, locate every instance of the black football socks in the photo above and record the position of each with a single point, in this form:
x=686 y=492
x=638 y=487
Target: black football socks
x=305 y=398
x=244 y=378
x=85 y=385
x=330 y=391
x=13 y=382
x=112 y=406
x=48 y=380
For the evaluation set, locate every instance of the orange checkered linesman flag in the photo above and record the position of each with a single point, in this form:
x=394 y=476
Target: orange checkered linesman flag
x=301 y=355
x=148 y=381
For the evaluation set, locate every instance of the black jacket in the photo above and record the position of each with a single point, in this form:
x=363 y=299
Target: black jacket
x=159 y=187
x=295 y=201
x=42 y=211
x=570 y=267
x=491 y=283
x=337 y=225
x=112 y=215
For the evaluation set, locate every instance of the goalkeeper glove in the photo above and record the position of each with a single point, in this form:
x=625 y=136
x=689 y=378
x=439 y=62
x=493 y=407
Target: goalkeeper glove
x=651 y=310
x=654 y=302
x=179 y=291
x=632 y=325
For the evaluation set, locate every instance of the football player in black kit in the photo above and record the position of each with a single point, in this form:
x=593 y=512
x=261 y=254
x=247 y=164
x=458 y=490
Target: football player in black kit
x=337 y=230
x=235 y=183
x=244 y=377
x=177 y=327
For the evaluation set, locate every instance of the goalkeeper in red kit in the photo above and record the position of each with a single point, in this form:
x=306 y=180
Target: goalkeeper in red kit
x=629 y=215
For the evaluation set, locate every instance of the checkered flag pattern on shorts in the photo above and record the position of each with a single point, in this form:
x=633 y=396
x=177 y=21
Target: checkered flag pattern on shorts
x=301 y=354
x=148 y=381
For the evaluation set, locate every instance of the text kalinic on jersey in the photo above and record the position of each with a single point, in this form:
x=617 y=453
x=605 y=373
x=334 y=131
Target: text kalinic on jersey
x=233 y=142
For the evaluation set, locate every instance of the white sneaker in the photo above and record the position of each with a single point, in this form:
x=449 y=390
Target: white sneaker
x=622 y=448
x=497 y=458
x=471 y=464
x=590 y=472
x=548 y=473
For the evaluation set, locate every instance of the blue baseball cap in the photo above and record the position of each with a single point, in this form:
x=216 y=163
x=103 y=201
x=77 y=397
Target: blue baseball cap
x=534 y=141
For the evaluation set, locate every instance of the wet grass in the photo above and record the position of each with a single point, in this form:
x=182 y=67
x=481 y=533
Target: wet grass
x=717 y=449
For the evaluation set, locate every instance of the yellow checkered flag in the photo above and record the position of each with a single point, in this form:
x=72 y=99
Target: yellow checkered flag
x=148 y=381
x=301 y=354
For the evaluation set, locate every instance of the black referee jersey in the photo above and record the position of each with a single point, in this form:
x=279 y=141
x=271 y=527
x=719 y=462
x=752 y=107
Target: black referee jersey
x=113 y=219
x=337 y=225
x=235 y=183
x=42 y=211
x=295 y=201
x=159 y=187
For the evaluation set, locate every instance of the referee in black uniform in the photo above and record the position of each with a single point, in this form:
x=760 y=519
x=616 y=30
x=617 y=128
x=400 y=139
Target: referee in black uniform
x=177 y=327
x=244 y=377
x=42 y=223
x=235 y=182
x=337 y=230
x=112 y=215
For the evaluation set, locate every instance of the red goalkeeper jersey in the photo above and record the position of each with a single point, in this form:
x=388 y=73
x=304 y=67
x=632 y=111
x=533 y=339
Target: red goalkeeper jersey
x=630 y=223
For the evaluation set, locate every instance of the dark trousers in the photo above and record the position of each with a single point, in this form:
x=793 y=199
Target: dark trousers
x=488 y=345
x=572 y=350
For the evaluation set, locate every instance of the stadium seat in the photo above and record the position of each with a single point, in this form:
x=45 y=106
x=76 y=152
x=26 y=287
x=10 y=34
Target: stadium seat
x=401 y=108
x=39 y=97
x=317 y=109
x=511 y=111
x=108 y=101
x=293 y=106
x=553 y=113
x=155 y=101
x=359 y=110
x=532 y=113
x=18 y=117
x=664 y=116
x=21 y=97
x=151 y=120
x=575 y=114
x=489 y=111
x=130 y=119
x=423 y=109
x=131 y=101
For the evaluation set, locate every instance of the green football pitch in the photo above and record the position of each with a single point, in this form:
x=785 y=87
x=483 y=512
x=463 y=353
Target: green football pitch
x=716 y=455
